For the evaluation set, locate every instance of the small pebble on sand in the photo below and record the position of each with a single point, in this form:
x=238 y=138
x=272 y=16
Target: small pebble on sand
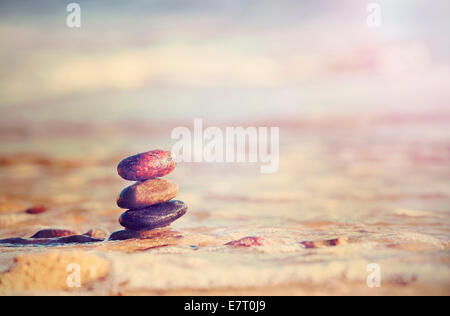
x=37 y=209
x=52 y=233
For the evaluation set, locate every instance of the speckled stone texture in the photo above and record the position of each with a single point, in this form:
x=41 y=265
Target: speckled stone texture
x=144 y=166
x=147 y=193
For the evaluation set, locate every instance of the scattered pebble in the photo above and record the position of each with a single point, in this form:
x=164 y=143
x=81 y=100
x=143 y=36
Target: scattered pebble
x=74 y=239
x=37 y=209
x=144 y=166
x=246 y=242
x=97 y=233
x=154 y=216
x=147 y=193
x=325 y=243
x=24 y=241
x=52 y=233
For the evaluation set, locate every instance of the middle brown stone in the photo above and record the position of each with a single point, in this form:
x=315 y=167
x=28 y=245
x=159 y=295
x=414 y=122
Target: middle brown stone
x=146 y=193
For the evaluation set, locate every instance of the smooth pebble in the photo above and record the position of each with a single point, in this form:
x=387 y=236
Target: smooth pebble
x=154 y=216
x=147 y=193
x=144 y=166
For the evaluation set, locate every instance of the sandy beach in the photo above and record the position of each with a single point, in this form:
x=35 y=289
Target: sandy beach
x=364 y=149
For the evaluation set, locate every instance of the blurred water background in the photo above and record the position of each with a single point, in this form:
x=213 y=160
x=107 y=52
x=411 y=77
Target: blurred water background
x=220 y=60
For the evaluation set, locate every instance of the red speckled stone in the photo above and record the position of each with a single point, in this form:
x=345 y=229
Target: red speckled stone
x=144 y=166
x=246 y=242
x=38 y=209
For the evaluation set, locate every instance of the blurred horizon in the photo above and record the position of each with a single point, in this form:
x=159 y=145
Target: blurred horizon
x=222 y=61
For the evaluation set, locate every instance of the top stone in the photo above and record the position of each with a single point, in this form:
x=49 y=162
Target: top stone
x=144 y=166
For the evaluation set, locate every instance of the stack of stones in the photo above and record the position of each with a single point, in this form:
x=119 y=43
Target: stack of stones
x=149 y=200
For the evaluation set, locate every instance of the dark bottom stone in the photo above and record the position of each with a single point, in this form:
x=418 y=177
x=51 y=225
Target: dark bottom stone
x=155 y=216
x=143 y=234
x=124 y=235
x=75 y=239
